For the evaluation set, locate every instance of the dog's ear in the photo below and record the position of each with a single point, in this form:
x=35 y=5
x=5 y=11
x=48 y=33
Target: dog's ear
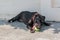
x=42 y=18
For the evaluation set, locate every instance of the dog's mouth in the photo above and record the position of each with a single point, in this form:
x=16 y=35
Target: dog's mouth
x=36 y=25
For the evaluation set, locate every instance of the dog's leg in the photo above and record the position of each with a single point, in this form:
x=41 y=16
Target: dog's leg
x=46 y=24
x=28 y=27
x=14 y=19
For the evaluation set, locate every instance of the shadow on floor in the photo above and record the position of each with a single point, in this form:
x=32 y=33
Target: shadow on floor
x=55 y=26
x=14 y=24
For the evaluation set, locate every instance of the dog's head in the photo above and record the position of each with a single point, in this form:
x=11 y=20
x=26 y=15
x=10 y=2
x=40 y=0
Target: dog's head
x=38 y=20
x=36 y=24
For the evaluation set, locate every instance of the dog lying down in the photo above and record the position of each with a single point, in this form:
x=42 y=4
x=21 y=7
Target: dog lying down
x=31 y=19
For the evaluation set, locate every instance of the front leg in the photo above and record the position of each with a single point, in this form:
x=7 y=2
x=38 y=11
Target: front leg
x=28 y=27
x=46 y=24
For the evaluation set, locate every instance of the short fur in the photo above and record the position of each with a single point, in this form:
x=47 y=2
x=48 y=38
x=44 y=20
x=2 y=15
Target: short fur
x=29 y=18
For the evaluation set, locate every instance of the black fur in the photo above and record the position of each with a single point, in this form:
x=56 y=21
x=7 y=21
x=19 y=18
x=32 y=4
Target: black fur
x=26 y=16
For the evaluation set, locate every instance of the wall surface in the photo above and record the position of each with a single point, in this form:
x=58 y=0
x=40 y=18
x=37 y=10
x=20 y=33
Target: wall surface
x=8 y=7
x=52 y=14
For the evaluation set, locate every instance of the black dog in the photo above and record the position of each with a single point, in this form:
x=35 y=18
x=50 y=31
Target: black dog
x=31 y=19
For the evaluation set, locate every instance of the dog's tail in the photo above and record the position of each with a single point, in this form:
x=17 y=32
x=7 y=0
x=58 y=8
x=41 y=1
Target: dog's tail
x=12 y=20
x=16 y=18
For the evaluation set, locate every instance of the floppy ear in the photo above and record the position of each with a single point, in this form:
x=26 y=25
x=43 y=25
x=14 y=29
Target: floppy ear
x=42 y=18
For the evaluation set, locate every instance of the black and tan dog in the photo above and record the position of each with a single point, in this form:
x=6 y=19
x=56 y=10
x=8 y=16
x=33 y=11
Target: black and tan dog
x=31 y=19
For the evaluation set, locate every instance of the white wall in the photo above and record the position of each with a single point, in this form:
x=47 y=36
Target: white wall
x=8 y=7
x=49 y=12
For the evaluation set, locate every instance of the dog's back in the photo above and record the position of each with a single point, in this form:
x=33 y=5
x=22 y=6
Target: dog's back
x=24 y=16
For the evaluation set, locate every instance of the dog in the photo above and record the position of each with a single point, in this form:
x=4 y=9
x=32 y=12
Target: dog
x=30 y=19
